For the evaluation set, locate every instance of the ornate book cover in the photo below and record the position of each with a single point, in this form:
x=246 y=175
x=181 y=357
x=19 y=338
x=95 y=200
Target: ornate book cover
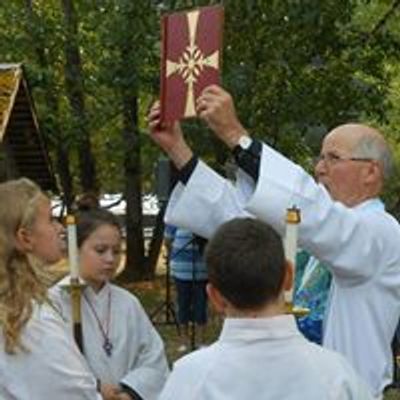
x=190 y=59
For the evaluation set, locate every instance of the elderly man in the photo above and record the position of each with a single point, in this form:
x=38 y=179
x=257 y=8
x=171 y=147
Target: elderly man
x=344 y=223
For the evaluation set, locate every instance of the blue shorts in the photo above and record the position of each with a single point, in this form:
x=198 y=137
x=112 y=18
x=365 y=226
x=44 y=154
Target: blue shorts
x=192 y=301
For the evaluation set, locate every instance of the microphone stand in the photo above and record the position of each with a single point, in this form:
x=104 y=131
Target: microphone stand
x=166 y=305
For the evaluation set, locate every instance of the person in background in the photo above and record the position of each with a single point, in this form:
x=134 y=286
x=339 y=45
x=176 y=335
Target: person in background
x=185 y=254
x=260 y=353
x=121 y=346
x=38 y=358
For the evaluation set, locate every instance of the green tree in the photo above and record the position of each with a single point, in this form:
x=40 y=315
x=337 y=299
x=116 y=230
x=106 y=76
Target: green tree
x=296 y=68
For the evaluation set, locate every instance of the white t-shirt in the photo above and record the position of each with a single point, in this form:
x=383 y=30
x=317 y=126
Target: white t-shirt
x=263 y=359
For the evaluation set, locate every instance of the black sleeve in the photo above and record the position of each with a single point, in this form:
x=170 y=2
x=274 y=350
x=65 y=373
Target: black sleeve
x=185 y=173
x=249 y=160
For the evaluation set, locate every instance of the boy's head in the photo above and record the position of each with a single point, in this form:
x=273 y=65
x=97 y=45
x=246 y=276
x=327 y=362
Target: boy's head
x=246 y=264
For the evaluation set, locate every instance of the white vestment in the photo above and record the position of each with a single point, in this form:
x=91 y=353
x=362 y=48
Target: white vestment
x=138 y=359
x=52 y=368
x=265 y=359
x=360 y=246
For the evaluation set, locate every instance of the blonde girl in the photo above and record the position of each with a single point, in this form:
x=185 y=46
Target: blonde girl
x=38 y=359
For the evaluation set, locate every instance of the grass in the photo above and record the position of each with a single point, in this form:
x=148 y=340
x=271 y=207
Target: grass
x=392 y=395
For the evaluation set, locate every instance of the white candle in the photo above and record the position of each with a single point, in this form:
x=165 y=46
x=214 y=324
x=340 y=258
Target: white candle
x=290 y=244
x=72 y=247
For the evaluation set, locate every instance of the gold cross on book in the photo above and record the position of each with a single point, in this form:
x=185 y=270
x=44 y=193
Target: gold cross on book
x=191 y=58
x=191 y=63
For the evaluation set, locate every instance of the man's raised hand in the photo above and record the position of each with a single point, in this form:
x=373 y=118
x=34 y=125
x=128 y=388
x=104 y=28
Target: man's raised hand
x=169 y=137
x=216 y=107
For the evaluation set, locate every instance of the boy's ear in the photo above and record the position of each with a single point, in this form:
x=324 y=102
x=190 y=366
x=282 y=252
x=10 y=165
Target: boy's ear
x=218 y=301
x=289 y=275
x=23 y=240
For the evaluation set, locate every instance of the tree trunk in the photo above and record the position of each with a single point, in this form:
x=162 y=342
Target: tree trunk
x=75 y=94
x=158 y=232
x=62 y=154
x=64 y=173
x=135 y=261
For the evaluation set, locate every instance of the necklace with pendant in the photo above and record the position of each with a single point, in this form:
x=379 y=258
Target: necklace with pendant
x=107 y=344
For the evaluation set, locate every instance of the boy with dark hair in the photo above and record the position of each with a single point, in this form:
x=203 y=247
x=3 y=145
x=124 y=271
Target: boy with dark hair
x=239 y=264
x=260 y=353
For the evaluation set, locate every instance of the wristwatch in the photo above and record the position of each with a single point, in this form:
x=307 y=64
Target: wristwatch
x=245 y=142
x=242 y=147
x=247 y=155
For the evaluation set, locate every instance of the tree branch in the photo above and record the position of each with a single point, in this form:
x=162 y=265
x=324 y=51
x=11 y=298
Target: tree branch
x=385 y=18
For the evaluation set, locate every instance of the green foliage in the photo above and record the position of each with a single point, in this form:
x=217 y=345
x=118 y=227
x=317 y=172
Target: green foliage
x=296 y=68
x=123 y=57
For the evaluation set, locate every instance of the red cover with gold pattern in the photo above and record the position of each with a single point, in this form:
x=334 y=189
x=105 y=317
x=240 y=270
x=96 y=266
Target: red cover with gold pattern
x=190 y=60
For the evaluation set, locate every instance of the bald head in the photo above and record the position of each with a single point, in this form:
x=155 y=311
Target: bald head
x=365 y=142
x=353 y=163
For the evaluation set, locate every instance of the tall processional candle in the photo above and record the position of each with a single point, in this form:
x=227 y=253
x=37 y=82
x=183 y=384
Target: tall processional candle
x=75 y=287
x=290 y=243
x=72 y=247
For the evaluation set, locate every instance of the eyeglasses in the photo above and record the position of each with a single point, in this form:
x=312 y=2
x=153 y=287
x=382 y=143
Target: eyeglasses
x=332 y=158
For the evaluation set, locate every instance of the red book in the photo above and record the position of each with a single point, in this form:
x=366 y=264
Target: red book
x=190 y=59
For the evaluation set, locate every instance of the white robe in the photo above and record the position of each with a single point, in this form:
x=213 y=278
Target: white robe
x=138 y=358
x=360 y=246
x=265 y=359
x=53 y=368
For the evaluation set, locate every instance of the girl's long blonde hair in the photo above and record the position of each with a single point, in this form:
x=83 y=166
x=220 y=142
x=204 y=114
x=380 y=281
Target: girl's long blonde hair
x=22 y=277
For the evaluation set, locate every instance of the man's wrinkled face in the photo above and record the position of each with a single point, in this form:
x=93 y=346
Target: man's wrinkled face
x=342 y=175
